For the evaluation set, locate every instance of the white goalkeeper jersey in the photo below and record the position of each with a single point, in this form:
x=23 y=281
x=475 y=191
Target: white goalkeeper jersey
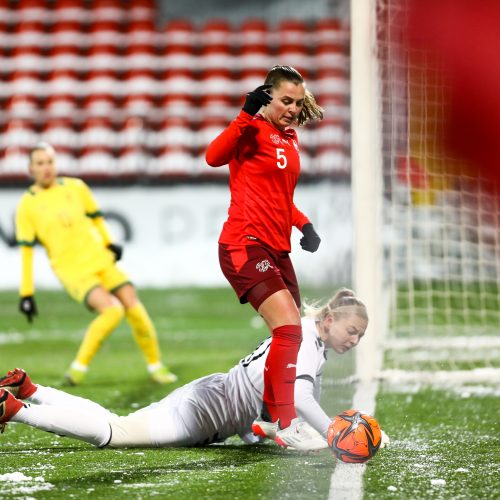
x=245 y=382
x=212 y=408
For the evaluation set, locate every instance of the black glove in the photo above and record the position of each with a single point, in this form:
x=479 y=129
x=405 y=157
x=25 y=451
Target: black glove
x=256 y=99
x=310 y=241
x=27 y=306
x=117 y=250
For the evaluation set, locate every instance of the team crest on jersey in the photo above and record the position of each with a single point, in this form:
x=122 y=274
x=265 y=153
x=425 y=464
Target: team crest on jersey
x=263 y=266
x=275 y=138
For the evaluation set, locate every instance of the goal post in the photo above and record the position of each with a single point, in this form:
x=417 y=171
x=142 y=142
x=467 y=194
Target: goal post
x=366 y=182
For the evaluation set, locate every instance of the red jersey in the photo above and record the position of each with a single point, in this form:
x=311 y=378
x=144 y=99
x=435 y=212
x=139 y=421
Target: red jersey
x=264 y=167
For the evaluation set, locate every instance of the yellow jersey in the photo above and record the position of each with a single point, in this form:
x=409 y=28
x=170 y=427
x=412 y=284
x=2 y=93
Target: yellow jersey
x=65 y=218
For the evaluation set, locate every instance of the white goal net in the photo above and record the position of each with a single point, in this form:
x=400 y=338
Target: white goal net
x=441 y=228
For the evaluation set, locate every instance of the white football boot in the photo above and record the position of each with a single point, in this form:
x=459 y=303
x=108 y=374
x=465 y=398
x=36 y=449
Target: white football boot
x=300 y=436
x=265 y=429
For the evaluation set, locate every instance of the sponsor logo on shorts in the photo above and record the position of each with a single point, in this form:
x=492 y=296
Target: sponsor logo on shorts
x=291 y=365
x=263 y=266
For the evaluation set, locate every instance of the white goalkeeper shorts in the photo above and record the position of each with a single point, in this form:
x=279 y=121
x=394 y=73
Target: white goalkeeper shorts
x=194 y=415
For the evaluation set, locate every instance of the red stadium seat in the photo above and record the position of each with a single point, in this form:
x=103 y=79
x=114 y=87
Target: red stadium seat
x=217 y=107
x=208 y=130
x=171 y=162
x=330 y=31
x=27 y=82
x=97 y=162
x=19 y=134
x=173 y=132
x=8 y=16
x=31 y=33
x=179 y=33
x=292 y=33
x=141 y=57
x=100 y=106
x=331 y=56
x=142 y=10
x=106 y=32
x=215 y=82
x=27 y=58
x=108 y=10
x=69 y=10
x=14 y=161
x=59 y=133
x=179 y=82
x=141 y=82
x=104 y=57
x=254 y=57
x=217 y=58
x=216 y=33
x=332 y=132
x=61 y=106
x=99 y=133
x=69 y=34
x=132 y=161
x=33 y=10
x=178 y=57
x=22 y=106
x=335 y=105
x=179 y=105
x=6 y=39
x=140 y=105
x=253 y=33
x=63 y=57
x=248 y=80
x=103 y=82
x=331 y=81
x=292 y=55
x=141 y=32
x=331 y=159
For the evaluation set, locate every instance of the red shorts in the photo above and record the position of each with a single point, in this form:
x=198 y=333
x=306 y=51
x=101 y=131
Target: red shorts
x=246 y=266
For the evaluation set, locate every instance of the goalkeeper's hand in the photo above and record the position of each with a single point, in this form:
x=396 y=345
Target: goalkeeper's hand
x=117 y=250
x=256 y=99
x=311 y=240
x=27 y=306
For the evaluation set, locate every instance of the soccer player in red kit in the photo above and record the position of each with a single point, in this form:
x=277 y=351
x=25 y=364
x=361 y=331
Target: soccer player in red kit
x=263 y=156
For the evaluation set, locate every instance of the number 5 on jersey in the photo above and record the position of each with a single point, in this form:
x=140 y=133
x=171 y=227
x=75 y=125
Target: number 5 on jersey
x=281 y=158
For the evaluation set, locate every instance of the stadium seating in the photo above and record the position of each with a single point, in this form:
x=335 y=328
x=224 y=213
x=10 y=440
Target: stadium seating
x=116 y=92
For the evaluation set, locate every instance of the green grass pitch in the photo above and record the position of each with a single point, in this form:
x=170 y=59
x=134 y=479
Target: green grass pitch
x=435 y=436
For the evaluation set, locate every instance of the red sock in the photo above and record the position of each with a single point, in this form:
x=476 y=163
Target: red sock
x=280 y=372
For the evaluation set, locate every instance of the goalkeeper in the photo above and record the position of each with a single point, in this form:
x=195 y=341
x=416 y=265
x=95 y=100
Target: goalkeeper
x=62 y=214
x=207 y=410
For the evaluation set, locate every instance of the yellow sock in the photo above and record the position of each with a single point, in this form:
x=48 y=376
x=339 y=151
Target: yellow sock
x=97 y=332
x=144 y=332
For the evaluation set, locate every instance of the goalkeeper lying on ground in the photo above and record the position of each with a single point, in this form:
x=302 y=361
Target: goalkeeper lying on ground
x=207 y=410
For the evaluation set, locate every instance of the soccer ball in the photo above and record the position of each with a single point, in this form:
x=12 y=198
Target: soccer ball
x=354 y=436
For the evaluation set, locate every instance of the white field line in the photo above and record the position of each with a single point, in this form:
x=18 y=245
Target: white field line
x=481 y=342
x=442 y=377
x=346 y=482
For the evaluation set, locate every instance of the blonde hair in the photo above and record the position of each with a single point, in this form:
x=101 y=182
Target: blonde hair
x=311 y=110
x=343 y=303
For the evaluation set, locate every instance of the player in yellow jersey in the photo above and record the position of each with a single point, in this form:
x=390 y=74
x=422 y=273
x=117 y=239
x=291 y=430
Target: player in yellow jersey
x=62 y=214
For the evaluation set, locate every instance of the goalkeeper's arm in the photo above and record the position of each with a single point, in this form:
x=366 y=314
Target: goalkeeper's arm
x=308 y=407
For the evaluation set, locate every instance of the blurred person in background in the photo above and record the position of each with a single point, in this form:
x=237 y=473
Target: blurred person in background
x=262 y=151
x=209 y=409
x=62 y=214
